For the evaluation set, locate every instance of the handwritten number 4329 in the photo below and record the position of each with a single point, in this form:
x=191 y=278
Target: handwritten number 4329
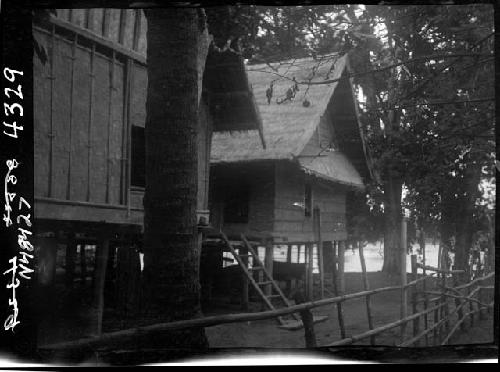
x=13 y=108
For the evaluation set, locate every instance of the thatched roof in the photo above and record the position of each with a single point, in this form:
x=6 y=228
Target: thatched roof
x=229 y=94
x=288 y=127
x=332 y=166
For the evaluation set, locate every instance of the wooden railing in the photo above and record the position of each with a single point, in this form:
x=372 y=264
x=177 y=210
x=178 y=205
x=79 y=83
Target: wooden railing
x=439 y=326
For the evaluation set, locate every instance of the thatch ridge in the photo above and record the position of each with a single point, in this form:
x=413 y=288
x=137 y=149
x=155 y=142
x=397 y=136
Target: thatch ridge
x=289 y=126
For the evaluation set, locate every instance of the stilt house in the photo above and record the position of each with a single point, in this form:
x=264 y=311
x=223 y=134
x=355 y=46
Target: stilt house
x=89 y=118
x=314 y=155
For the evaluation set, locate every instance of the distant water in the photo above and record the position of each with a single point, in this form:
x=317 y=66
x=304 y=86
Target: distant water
x=374 y=257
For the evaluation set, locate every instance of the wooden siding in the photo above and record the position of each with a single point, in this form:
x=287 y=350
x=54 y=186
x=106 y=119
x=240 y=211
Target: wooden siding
x=260 y=181
x=290 y=222
x=126 y=27
x=87 y=96
x=80 y=122
x=42 y=102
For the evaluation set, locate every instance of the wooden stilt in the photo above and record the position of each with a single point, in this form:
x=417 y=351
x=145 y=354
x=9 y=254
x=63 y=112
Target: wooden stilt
x=268 y=262
x=289 y=260
x=244 y=278
x=366 y=288
x=70 y=261
x=319 y=245
x=83 y=264
x=309 y=266
x=46 y=298
x=102 y=254
x=47 y=261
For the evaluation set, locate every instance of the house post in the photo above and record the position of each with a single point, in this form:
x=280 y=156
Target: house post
x=101 y=263
x=268 y=262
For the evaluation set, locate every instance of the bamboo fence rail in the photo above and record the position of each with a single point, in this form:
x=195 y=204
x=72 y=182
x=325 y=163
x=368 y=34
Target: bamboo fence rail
x=304 y=309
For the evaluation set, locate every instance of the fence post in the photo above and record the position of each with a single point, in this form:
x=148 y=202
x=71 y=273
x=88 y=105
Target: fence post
x=366 y=287
x=480 y=297
x=403 y=277
x=308 y=322
x=416 y=321
x=436 y=330
x=445 y=310
x=471 y=308
x=341 y=261
x=340 y=314
x=424 y=285
x=458 y=303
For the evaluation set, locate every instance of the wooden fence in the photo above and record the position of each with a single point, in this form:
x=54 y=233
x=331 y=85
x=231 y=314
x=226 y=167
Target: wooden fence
x=438 y=311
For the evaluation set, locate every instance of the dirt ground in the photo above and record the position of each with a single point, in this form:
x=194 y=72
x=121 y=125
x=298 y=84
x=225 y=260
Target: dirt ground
x=385 y=309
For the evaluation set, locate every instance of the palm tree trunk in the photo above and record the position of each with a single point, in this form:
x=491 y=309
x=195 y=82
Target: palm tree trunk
x=392 y=228
x=171 y=250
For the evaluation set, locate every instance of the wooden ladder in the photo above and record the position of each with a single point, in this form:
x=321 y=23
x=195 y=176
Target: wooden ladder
x=268 y=279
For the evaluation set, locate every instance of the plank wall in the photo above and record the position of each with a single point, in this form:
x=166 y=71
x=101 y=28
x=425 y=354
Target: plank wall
x=290 y=221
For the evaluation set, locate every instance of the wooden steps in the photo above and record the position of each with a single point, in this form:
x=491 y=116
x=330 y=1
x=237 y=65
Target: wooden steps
x=268 y=279
x=294 y=325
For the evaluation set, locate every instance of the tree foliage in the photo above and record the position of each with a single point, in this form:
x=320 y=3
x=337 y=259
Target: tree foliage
x=426 y=75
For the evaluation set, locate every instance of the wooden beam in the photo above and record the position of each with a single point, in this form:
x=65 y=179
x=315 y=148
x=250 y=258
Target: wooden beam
x=102 y=254
x=69 y=210
x=101 y=40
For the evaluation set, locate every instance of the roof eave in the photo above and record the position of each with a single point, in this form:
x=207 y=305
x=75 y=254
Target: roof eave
x=332 y=179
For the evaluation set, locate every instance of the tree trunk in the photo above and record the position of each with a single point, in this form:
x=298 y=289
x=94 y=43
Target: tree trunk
x=392 y=228
x=177 y=48
x=465 y=231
